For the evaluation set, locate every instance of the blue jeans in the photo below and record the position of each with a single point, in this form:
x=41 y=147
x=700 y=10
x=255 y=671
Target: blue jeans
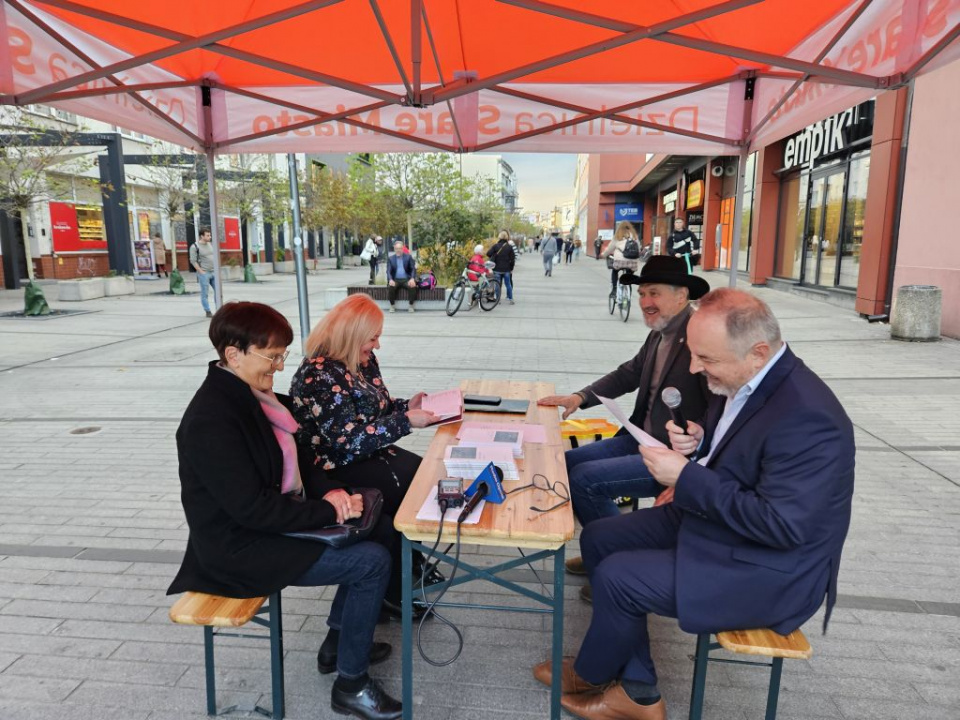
x=506 y=279
x=362 y=571
x=604 y=470
x=207 y=281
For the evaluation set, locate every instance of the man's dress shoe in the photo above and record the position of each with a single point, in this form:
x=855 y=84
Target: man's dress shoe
x=570 y=682
x=327 y=662
x=370 y=703
x=612 y=704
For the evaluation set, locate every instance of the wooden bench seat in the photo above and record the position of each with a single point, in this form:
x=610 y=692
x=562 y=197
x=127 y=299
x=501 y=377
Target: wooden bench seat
x=758 y=642
x=214 y=612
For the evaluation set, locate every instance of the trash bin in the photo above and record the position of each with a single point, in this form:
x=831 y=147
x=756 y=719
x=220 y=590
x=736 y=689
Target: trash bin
x=916 y=313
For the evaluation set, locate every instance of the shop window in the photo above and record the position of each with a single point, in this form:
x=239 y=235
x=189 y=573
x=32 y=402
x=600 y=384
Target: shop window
x=793 y=211
x=852 y=238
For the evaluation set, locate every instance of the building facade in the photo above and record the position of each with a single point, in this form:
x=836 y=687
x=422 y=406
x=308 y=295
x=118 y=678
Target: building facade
x=831 y=211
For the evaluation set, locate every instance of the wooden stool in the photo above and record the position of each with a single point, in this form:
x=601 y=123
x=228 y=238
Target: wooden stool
x=598 y=428
x=214 y=612
x=747 y=642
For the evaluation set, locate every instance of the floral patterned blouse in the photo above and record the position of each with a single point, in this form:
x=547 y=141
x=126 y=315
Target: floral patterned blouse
x=344 y=416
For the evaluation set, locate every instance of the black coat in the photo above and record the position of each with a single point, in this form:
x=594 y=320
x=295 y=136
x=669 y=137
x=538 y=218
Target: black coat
x=635 y=374
x=502 y=256
x=230 y=471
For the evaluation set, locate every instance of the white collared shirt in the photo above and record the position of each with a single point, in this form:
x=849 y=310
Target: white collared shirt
x=735 y=404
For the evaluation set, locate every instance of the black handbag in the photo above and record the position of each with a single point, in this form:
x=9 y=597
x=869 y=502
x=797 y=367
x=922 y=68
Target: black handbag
x=353 y=531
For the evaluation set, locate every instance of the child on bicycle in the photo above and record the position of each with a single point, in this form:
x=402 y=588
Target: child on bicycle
x=477 y=265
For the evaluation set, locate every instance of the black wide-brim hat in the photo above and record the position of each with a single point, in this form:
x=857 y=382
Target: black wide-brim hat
x=666 y=270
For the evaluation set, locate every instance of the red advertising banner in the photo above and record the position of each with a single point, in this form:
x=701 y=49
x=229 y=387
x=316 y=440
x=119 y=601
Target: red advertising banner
x=67 y=233
x=231 y=234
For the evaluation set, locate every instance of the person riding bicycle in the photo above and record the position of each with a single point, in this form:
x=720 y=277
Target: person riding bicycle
x=625 y=251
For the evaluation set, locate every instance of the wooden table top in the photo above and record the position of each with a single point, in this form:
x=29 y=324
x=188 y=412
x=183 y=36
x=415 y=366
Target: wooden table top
x=512 y=523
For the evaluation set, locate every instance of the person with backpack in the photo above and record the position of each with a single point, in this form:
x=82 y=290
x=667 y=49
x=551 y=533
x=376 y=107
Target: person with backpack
x=625 y=251
x=504 y=259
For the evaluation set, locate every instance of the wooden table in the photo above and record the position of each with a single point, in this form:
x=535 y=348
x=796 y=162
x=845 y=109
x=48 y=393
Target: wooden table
x=511 y=524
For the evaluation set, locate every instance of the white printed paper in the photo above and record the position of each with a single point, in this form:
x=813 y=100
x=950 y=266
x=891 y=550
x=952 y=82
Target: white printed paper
x=531 y=433
x=430 y=512
x=639 y=435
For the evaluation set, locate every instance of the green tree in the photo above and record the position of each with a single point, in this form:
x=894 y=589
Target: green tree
x=30 y=172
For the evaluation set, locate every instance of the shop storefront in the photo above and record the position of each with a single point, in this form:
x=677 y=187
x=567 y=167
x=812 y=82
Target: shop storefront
x=823 y=195
x=79 y=242
x=144 y=224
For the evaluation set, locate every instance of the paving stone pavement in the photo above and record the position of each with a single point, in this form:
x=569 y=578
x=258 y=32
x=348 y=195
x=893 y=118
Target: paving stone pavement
x=91 y=528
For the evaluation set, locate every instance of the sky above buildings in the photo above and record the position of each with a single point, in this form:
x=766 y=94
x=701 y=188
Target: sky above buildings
x=544 y=180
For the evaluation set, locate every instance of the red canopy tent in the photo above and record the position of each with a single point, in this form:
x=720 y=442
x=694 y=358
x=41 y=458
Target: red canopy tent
x=685 y=77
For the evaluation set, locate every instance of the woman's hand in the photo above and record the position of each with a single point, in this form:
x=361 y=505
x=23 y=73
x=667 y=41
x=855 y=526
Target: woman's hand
x=416 y=402
x=343 y=503
x=421 y=418
x=356 y=507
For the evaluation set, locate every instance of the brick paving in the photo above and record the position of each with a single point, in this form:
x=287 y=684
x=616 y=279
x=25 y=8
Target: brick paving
x=91 y=528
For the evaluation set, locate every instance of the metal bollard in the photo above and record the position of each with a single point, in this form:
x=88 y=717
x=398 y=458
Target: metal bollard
x=916 y=313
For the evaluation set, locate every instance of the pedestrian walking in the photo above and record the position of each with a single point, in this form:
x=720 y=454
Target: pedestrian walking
x=201 y=257
x=576 y=248
x=548 y=248
x=597 y=244
x=568 y=250
x=159 y=255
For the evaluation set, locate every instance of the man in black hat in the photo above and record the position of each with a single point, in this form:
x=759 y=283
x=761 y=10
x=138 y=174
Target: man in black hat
x=602 y=471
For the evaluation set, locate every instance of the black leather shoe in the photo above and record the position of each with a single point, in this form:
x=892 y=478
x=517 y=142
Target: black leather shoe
x=370 y=703
x=327 y=663
x=433 y=577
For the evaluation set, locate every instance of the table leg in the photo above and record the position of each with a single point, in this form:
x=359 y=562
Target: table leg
x=406 y=579
x=558 y=578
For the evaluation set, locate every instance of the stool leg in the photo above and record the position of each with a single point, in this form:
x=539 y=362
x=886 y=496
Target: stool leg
x=276 y=656
x=211 y=675
x=699 y=676
x=573 y=442
x=773 y=694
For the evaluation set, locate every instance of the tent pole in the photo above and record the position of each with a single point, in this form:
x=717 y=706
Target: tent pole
x=738 y=214
x=303 y=302
x=214 y=230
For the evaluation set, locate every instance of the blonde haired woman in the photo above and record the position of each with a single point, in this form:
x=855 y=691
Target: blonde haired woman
x=624 y=232
x=347 y=416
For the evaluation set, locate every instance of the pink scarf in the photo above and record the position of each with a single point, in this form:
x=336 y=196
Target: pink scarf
x=284 y=427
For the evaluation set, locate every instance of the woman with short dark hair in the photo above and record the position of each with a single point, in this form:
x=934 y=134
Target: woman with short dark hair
x=242 y=488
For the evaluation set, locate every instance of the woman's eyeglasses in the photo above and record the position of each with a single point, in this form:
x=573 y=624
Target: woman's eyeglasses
x=276 y=360
x=557 y=488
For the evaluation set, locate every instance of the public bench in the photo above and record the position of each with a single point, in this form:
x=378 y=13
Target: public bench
x=760 y=642
x=213 y=612
x=427 y=299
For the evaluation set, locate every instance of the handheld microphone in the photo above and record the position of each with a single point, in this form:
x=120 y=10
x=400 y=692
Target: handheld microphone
x=671 y=398
x=482 y=491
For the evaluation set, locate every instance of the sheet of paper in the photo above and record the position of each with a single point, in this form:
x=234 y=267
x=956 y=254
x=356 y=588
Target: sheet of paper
x=639 y=435
x=531 y=433
x=430 y=512
x=445 y=404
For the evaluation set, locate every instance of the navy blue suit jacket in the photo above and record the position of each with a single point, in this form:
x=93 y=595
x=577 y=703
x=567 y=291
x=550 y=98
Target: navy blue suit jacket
x=764 y=522
x=408 y=265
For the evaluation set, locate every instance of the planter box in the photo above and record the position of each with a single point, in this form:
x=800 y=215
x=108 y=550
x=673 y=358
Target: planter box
x=287 y=266
x=231 y=272
x=76 y=290
x=119 y=285
x=262 y=268
x=331 y=296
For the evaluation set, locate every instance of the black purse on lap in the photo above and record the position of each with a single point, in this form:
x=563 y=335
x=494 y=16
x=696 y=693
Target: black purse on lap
x=353 y=531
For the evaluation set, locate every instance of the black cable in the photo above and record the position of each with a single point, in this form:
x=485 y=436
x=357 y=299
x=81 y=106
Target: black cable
x=431 y=608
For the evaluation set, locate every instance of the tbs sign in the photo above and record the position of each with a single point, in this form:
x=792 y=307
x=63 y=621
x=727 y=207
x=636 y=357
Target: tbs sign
x=633 y=213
